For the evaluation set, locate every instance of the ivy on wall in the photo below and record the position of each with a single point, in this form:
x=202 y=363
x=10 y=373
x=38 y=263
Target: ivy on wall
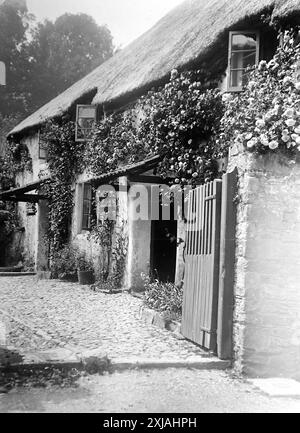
x=115 y=140
x=266 y=116
x=113 y=238
x=15 y=159
x=65 y=163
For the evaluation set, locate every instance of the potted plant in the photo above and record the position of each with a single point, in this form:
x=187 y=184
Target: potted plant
x=85 y=270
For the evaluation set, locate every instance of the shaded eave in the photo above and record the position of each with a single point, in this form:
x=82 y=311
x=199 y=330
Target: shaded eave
x=20 y=194
x=131 y=171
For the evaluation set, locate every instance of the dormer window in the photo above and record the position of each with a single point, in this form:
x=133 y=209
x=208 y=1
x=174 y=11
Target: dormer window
x=85 y=120
x=243 y=52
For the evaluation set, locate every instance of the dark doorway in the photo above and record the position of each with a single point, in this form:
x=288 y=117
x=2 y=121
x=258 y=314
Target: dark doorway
x=164 y=249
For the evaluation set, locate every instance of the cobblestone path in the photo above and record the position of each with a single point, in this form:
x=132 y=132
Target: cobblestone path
x=43 y=315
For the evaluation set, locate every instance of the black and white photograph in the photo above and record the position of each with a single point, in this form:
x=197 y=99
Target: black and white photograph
x=149 y=209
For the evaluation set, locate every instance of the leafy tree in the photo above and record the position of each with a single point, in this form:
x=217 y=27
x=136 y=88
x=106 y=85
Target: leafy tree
x=44 y=59
x=14 y=23
x=62 y=52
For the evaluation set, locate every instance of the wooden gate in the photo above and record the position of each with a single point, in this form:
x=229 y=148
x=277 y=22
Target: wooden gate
x=201 y=285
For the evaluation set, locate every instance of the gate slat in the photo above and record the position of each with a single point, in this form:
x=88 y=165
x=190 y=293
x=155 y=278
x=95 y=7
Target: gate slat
x=187 y=304
x=207 y=261
x=197 y=270
x=210 y=265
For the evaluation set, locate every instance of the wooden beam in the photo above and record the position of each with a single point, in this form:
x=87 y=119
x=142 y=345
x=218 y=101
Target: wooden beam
x=22 y=190
x=227 y=265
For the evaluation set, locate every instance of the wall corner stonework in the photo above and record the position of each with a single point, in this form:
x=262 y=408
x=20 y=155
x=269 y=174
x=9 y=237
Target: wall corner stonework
x=266 y=322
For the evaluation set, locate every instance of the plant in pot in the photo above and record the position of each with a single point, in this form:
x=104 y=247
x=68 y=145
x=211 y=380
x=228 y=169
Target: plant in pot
x=85 y=270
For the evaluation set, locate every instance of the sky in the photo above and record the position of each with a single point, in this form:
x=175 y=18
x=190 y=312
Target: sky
x=127 y=19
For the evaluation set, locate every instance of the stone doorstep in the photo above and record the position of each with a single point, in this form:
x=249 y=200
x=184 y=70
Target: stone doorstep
x=99 y=365
x=195 y=362
x=277 y=387
x=152 y=317
x=94 y=362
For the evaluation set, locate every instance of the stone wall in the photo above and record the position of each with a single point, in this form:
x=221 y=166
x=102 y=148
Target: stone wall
x=266 y=329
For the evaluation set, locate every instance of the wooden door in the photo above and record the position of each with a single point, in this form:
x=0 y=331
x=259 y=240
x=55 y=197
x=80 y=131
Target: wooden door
x=200 y=305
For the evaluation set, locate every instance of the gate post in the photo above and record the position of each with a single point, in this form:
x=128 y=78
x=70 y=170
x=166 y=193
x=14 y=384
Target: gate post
x=227 y=262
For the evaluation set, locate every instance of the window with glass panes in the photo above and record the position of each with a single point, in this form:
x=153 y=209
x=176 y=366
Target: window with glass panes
x=87 y=206
x=86 y=116
x=243 y=52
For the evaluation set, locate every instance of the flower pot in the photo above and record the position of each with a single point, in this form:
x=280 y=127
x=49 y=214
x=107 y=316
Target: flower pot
x=86 y=278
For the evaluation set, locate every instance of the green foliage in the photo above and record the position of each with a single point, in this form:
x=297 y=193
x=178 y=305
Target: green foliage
x=14 y=158
x=65 y=162
x=114 y=241
x=166 y=298
x=64 y=51
x=64 y=264
x=83 y=264
x=119 y=257
x=101 y=232
x=43 y=59
x=266 y=116
x=115 y=140
x=176 y=122
x=180 y=120
x=14 y=24
x=7 y=123
x=8 y=224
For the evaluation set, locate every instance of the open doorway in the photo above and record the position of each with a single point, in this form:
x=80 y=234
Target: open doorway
x=164 y=248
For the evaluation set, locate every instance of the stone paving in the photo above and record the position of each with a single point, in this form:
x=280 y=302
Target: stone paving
x=154 y=391
x=44 y=315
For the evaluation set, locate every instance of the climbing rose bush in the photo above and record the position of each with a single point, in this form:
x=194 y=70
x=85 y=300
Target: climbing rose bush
x=180 y=120
x=266 y=116
x=115 y=141
x=176 y=122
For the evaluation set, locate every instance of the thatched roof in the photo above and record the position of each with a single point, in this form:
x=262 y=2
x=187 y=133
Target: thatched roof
x=286 y=7
x=185 y=34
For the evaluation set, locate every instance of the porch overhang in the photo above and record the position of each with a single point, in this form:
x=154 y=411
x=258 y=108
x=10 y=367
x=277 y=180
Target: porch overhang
x=20 y=195
x=134 y=172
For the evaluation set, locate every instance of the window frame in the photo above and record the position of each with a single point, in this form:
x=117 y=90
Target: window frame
x=90 y=201
x=78 y=139
x=230 y=51
x=43 y=158
x=2 y=73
